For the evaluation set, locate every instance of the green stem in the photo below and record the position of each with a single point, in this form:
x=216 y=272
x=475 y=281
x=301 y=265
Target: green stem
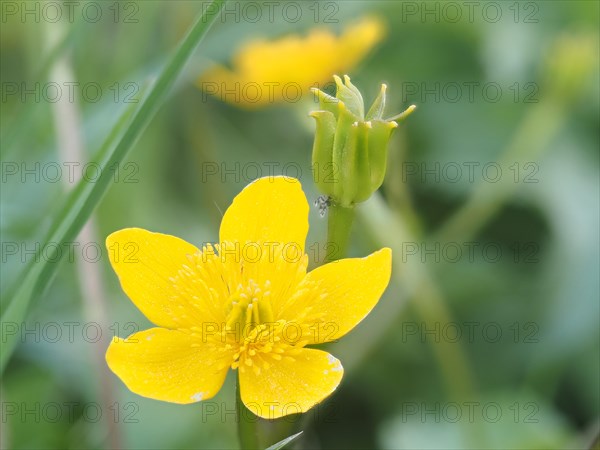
x=596 y=444
x=426 y=297
x=339 y=225
x=419 y=285
x=526 y=147
x=247 y=423
x=257 y=433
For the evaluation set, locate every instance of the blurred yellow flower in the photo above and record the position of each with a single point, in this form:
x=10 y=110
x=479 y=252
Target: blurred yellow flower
x=283 y=70
x=247 y=303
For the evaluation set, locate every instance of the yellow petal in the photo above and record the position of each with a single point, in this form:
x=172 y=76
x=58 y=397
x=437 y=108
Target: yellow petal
x=291 y=385
x=358 y=39
x=270 y=209
x=169 y=365
x=334 y=298
x=147 y=265
x=284 y=69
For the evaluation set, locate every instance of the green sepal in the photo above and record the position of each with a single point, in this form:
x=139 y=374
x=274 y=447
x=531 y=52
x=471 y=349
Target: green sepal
x=356 y=92
x=349 y=151
x=326 y=101
x=379 y=137
x=348 y=169
x=322 y=155
x=362 y=175
x=342 y=144
x=376 y=110
x=350 y=96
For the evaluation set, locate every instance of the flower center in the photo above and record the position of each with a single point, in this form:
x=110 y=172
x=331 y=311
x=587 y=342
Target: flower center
x=249 y=307
x=249 y=336
x=251 y=327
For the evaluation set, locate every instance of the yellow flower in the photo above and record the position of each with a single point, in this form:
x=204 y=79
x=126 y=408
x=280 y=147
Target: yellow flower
x=247 y=303
x=283 y=70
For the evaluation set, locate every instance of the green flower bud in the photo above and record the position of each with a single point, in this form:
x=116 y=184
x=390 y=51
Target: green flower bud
x=350 y=149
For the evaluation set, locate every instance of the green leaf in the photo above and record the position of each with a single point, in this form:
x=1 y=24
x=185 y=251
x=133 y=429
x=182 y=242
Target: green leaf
x=86 y=196
x=284 y=442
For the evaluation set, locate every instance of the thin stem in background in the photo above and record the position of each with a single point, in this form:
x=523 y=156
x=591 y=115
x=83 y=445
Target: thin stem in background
x=71 y=149
x=417 y=285
x=526 y=146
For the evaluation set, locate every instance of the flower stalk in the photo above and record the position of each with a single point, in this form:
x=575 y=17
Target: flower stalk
x=339 y=226
x=247 y=423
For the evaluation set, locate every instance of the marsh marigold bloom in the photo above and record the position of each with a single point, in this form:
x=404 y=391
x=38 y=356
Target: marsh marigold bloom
x=283 y=70
x=246 y=303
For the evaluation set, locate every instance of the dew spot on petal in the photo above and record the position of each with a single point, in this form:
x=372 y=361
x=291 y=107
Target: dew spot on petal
x=335 y=363
x=198 y=396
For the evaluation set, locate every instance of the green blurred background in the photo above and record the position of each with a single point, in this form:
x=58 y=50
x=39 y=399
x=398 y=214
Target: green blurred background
x=523 y=294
